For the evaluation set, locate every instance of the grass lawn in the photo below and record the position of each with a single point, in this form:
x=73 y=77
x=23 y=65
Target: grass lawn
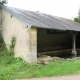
x=12 y=68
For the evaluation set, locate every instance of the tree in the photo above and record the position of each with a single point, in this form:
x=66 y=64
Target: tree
x=2 y=2
x=77 y=19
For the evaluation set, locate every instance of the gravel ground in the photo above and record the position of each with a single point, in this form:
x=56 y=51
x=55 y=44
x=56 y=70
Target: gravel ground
x=69 y=77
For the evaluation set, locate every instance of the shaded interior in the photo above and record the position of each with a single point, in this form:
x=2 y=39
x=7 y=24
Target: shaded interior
x=55 y=40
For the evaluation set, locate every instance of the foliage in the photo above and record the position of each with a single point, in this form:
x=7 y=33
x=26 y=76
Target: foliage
x=12 y=44
x=2 y=2
x=76 y=19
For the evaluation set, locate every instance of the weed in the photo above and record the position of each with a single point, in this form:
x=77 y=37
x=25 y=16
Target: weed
x=12 y=42
x=12 y=45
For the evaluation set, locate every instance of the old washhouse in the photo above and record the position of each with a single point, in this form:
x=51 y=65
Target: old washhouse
x=36 y=32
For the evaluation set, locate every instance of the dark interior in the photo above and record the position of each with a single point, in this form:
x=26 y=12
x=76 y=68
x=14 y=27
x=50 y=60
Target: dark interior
x=78 y=40
x=53 y=40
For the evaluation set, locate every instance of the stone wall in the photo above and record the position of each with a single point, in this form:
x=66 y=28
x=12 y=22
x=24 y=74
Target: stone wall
x=25 y=44
x=0 y=16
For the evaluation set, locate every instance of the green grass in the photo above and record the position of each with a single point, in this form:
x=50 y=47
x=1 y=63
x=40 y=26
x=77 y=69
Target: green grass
x=12 y=68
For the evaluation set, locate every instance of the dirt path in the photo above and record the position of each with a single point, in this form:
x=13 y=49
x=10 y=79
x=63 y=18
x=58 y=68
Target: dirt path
x=69 y=77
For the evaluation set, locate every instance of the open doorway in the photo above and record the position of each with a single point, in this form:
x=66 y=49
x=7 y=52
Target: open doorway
x=53 y=42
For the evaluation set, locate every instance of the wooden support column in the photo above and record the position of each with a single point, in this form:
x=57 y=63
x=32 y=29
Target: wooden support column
x=74 y=52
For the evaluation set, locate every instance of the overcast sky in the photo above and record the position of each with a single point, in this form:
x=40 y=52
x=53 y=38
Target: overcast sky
x=61 y=8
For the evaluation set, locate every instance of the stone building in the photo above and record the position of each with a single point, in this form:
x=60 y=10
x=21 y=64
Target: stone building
x=36 y=32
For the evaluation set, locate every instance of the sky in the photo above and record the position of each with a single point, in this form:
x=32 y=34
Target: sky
x=61 y=8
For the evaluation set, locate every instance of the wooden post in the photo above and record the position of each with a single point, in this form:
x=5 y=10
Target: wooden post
x=74 y=52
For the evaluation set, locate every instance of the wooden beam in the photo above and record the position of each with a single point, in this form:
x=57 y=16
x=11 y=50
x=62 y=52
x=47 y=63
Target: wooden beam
x=74 y=52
